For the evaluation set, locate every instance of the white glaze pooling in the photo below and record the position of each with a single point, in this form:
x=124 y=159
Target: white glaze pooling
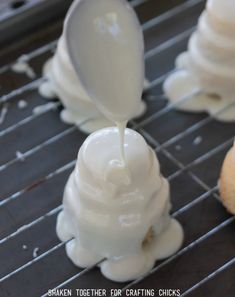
x=109 y=214
x=208 y=64
x=62 y=82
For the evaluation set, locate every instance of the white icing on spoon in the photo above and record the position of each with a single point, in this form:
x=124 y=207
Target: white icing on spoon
x=105 y=42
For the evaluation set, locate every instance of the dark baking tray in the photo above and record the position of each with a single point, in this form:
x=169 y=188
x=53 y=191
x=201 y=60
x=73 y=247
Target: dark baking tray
x=190 y=148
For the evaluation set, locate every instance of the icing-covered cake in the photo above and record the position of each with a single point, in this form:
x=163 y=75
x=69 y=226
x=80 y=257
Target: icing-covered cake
x=205 y=73
x=115 y=212
x=62 y=82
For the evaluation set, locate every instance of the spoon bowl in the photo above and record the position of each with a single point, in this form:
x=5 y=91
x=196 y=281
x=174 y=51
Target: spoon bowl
x=105 y=44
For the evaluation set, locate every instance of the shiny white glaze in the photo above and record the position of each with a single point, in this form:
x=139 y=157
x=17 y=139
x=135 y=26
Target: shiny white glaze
x=105 y=42
x=62 y=82
x=222 y=10
x=208 y=65
x=109 y=213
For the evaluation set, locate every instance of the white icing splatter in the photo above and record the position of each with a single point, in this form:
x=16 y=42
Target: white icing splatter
x=22 y=66
x=20 y=156
x=44 y=107
x=178 y=147
x=35 y=252
x=22 y=104
x=197 y=140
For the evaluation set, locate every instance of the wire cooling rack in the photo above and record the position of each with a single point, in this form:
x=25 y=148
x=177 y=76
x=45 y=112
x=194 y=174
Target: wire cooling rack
x=38 y=152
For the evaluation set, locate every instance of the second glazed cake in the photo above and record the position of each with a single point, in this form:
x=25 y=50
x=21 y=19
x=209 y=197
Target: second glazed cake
x=205 y=73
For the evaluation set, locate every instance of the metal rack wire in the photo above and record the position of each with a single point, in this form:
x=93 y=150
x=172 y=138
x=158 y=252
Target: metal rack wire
x=162 y=147
x=8 y=6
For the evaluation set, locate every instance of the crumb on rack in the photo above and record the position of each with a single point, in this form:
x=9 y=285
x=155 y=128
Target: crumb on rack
x=197 y=140
x=178 y=147
x=35 y=252
x=22 y=104
x=22 y=66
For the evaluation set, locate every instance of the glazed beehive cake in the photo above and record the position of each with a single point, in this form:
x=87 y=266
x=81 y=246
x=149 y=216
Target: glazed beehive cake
x=32 y=183
x=109 y=209
x=206 y=70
